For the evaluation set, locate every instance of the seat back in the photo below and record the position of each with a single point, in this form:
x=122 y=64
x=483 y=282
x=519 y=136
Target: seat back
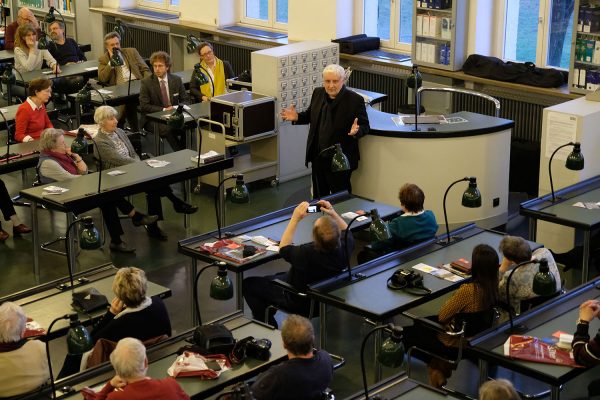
x=528 y=304
x=101 y=351
x=476 y=322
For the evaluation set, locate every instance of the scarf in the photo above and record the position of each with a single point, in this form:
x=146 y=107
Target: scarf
x=218 y=77
x=63 y=160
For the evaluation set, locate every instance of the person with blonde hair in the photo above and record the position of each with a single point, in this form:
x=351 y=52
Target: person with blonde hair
x=131 y=312
x=499 y=389
x=311 y=262
x=27 y=55
x=23 y=362
x=130 y=382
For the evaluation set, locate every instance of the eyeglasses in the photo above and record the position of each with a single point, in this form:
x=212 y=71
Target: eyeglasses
x=206 y=54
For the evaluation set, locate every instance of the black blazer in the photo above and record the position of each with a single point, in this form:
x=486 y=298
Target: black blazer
x=347 y=106
x=150 y=98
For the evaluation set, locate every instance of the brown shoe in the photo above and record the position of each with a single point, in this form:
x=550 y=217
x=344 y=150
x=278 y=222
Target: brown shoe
x=21 y=228
x=3 y=235
x=437 y=378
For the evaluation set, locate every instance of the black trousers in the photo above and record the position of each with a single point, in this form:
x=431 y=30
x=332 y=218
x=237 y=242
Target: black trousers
x=6 y=205
x=153 y=199
x=326 y=182
x=128 y=112
x=111 y=217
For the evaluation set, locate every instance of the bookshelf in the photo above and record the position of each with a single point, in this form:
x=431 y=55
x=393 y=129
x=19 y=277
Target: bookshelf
x=65 y=7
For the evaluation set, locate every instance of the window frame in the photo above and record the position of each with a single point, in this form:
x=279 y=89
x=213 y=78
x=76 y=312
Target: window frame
x=393 y=43
x=270 y=22
x=543 y=34
x=165 y=6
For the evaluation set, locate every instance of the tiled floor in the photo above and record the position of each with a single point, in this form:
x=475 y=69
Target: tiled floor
x=167 y=267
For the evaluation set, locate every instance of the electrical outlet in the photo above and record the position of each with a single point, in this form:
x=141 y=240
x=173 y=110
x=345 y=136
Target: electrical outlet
x=496 y=202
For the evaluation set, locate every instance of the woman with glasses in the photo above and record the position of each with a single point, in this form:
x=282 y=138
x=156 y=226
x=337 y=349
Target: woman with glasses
x=216 y=71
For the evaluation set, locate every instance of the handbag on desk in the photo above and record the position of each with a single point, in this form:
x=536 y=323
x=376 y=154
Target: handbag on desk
x=89 y=300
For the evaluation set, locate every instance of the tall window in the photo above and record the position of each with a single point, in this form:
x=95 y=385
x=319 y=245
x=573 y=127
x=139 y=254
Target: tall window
x=269 y=13
x=539 y=31
x=160 y=4
x=391 y=21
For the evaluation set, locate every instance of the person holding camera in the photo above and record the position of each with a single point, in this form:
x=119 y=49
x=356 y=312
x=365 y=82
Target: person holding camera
x=306 y=373
x=586 y=351
x=310 y=262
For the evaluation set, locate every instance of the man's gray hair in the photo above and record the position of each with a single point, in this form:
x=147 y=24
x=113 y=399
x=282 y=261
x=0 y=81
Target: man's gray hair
x=49 y=137
x=103 y=113
x=111 y=35
x=12 y=322
x=128 y=358
x=298 y=335
x=515 y=249
x=336 y=69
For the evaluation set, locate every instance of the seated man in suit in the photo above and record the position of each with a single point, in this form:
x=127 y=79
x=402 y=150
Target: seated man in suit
x=306 y=373
x=134 y=67
x=310 y=262
x=163 y=91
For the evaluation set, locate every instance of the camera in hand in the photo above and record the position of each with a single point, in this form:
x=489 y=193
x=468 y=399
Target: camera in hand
x=314 y=208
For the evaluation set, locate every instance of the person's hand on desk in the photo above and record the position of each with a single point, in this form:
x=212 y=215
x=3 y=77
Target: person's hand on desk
x=28 y=139
x=589 y=310
x=289 y=114
x=56 y=69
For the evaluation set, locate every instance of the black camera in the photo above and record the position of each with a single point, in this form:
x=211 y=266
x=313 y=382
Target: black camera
x=402 y=279
x=250 y=347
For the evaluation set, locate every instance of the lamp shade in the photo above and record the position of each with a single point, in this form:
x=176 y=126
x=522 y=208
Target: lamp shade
x=472 y=197
x=50 y=18
x=43 y=43
x=544 y=283
x=391 y=353
x=199 y=75
x=378 y=229
x=192 y=44
x=414 y=80
x=89 y=238
x=339 y=162
x=116 y=60
x=221 y=287
x=575 y=160
x=84 y=95
x=239 y=193
x=80 y=144
x=78 y=338
x=176 y=119
x=8 y=76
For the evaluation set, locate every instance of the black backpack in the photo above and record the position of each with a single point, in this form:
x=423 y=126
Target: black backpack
x=524 y=73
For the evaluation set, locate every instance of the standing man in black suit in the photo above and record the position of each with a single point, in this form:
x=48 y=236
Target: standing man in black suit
x=163 y=91
x=335 y=115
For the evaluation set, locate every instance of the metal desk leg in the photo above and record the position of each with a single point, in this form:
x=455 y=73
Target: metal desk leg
x=220 y=176
x=555 y=393
x=322 y=325
x=532 y=228
x=376 y=365
x=187 y=184
x=239 y=276
x=36 y=241
x=72 y=253
x=77 y=112
x=483 y=371
x=587 y=237
x=191 y=280
x=156 y=140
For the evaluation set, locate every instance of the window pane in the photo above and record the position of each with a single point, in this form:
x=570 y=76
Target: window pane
x=281 y=7
x=561 y=28
x=377 y=18
x=174 y=2
x=258 y=9
x=520 y=39
x=406 y=14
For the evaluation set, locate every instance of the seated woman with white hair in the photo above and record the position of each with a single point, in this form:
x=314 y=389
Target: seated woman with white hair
x=23 y=362
x=130 y=382
x=57 y=163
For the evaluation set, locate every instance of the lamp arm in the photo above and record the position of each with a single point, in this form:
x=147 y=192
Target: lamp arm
x=63 y=21
x=550 y=167
x=67 y=235
x=52 y=385
x=444 y=205
x=519 y=265
x=217 y=211
x=362 y=356
x=99 y=94
x=99 y=158
x=7 y=138
x=346 y=253
x=196 y=279
x=212 y=83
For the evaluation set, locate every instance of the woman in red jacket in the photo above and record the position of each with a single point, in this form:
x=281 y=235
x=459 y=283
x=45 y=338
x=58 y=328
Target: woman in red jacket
x=32 y=118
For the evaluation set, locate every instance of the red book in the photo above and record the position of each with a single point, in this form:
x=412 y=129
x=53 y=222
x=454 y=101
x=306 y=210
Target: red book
x=533 y=349
x=462 y=264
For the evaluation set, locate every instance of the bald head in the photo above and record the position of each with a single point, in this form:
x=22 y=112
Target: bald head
x=25 y=16
x=326 y=234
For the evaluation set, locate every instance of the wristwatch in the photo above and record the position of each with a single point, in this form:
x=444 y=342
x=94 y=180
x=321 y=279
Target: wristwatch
x=582 y=321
